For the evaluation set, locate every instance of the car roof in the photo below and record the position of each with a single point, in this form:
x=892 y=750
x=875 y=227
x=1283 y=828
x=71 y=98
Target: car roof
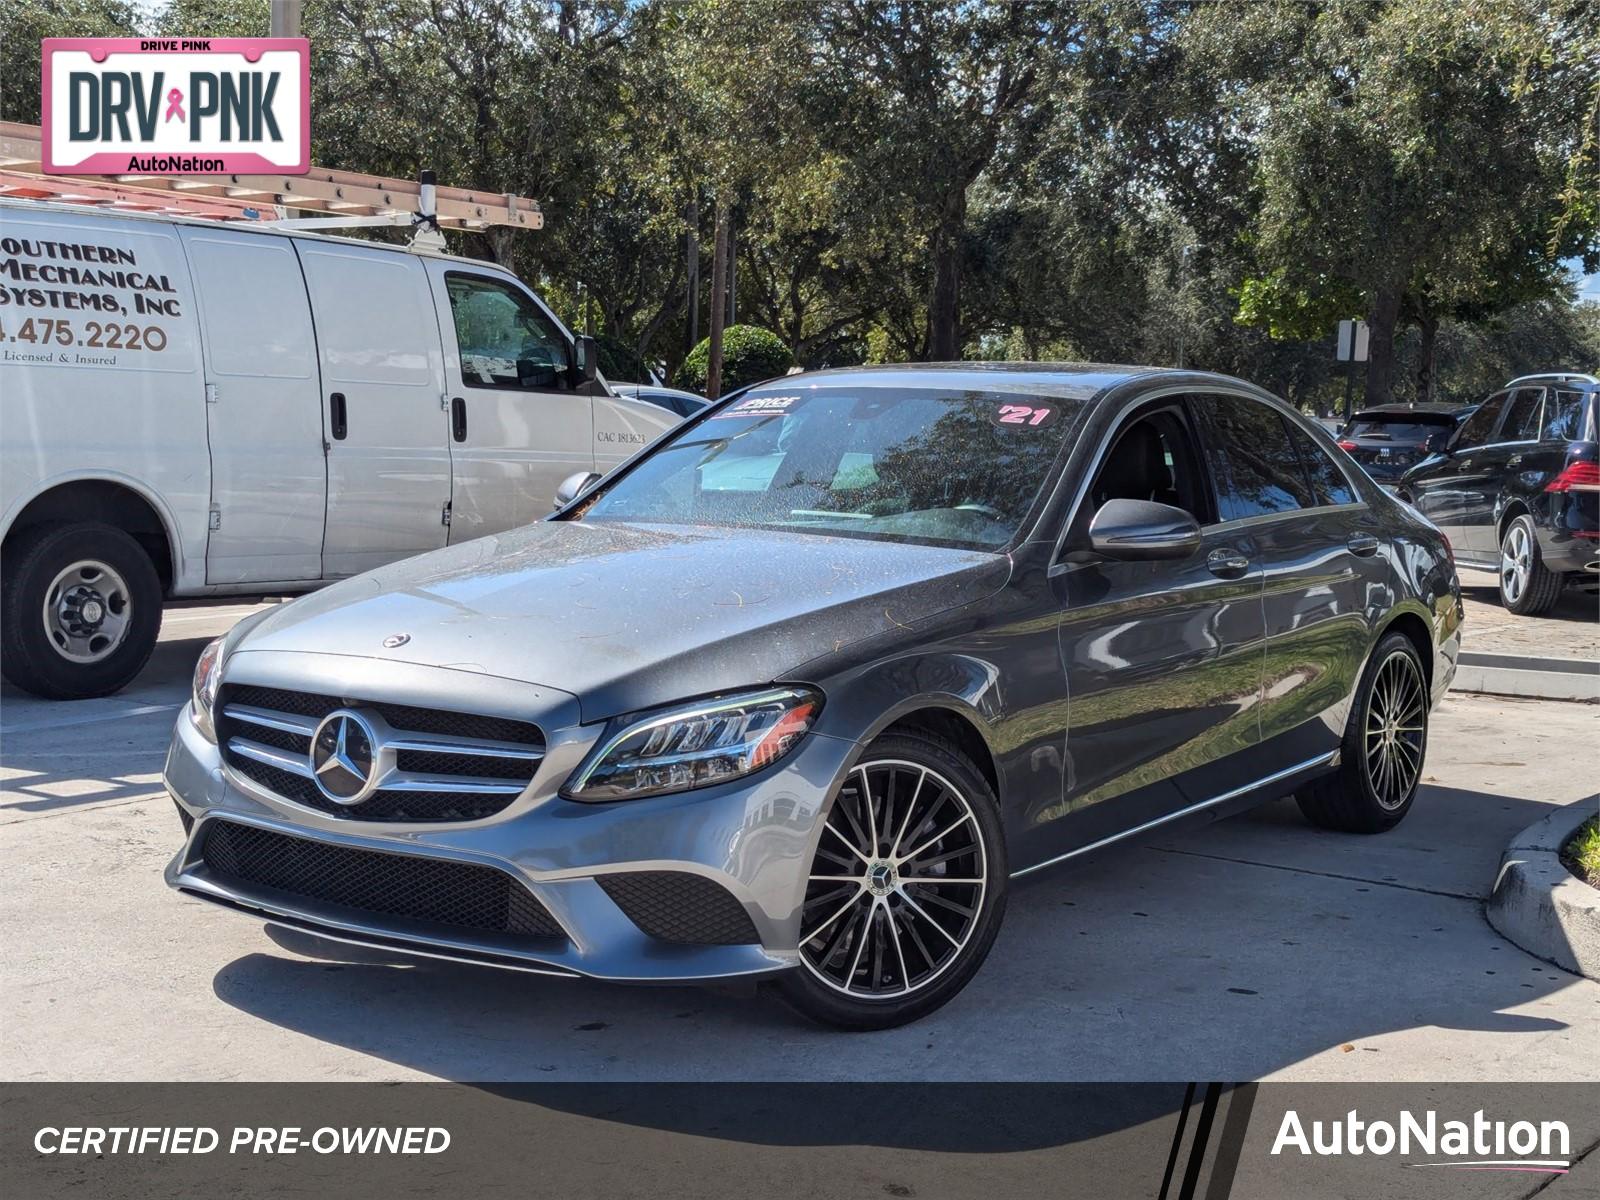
x=1422 y=410
x=656 y=389
x=1078 y=381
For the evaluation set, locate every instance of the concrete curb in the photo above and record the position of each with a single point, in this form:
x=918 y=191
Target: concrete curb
x=1540 y=905
x=1521 y=675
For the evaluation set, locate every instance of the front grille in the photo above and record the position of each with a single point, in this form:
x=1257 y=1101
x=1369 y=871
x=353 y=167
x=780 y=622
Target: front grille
x=443 y=765
x=432 y=890
x=676 y=906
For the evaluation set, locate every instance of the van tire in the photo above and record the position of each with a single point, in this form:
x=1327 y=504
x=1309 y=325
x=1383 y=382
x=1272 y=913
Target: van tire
x=33 y=563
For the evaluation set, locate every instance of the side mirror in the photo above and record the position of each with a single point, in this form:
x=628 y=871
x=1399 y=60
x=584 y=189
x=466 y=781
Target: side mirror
x=573 y=486
x=588 y=358
x=1143 y=531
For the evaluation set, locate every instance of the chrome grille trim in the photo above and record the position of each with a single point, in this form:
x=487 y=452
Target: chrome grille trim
x=468 y=778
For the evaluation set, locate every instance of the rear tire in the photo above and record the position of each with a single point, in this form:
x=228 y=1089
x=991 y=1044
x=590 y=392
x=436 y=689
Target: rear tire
x=1384 y=747
x=891 y=931
x=80 y=609
x=1527 y=586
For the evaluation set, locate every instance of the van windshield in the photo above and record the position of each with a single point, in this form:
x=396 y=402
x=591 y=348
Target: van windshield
x=947 y=467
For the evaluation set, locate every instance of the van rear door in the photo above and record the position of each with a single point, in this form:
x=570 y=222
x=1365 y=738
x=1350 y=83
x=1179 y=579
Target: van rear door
x=268 y=473
x=382 y=389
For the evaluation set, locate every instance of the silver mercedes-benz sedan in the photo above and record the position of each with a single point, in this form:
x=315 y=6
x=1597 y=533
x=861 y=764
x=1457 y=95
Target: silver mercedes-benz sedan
x=796 y=692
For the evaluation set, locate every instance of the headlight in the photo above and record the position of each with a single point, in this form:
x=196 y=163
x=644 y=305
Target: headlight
x=694 y=745
x=207 y=674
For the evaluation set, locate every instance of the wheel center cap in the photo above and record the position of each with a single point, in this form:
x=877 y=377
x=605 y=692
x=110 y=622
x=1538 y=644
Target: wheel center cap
x=881 y=878
x=92 y=612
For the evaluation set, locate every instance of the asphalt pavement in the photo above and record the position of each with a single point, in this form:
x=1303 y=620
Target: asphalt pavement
x=1256 y=948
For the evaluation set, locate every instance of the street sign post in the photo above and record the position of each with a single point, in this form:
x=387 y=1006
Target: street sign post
x=1351 y=349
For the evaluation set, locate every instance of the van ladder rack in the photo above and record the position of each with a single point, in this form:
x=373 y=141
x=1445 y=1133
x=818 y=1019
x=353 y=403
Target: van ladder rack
x=339 y=199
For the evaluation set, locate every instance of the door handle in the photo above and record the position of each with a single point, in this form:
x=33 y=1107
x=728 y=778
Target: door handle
x=1363 y=545
x=1514 y=460
x=458 y=419
x=1227 y=564
x=338 y=418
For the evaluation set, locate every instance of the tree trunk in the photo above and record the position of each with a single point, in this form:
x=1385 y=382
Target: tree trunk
x=1427 y=359
x=719 y=301
x=1382 y=324
x=944 y=298
x=692 y=261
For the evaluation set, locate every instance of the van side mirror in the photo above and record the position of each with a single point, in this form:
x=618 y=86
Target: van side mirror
x=588 y=358
x=573 y=486
x=1143 y=531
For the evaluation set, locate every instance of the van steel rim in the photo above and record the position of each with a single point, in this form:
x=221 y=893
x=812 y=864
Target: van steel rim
x=87 y=611
x=897 y=882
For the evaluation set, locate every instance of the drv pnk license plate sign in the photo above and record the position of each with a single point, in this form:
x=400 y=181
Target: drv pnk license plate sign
x=176 y=106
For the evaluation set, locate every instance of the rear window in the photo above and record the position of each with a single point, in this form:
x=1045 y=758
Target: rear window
x=1399 y=427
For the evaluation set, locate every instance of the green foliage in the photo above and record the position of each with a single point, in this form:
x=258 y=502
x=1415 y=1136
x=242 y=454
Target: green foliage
x=1159 y=182
x=749 y=355
x=620 y=361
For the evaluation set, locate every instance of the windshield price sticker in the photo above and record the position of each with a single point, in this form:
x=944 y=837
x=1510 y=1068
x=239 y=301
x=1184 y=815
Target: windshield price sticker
x=755 y=406
x=1024 y=415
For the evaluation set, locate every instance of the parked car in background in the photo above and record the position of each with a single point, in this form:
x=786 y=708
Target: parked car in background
x=912 y=632
x=199 y=409
x=684 y=404
x=1390 y=438
x=1517 y=489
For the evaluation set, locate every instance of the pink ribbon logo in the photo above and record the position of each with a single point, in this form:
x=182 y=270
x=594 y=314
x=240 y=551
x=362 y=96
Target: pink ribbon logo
x=175 y=105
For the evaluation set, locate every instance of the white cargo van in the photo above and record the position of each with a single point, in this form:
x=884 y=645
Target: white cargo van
x=191 y=408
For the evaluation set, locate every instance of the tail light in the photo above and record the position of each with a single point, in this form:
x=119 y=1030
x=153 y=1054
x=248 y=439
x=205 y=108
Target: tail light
x=1578 y=476
x=1346 y=445
x=1448 y=548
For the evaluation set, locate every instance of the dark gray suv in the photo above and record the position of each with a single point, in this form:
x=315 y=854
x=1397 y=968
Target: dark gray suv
x=799 y=690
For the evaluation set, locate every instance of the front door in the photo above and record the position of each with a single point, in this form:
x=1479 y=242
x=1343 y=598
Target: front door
x=1454 y=490
x=521 y=420
x=1163 y=659
x=1509 y=451
x=382 y=405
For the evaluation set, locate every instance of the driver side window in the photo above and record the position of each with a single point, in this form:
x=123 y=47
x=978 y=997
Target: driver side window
x=503 y=338
x=1153 y=458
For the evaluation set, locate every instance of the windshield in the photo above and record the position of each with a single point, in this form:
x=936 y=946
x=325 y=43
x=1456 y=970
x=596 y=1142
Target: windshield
x=946 y=467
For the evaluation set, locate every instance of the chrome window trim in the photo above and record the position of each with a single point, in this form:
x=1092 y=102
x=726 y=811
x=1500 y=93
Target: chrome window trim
x=1266 y=781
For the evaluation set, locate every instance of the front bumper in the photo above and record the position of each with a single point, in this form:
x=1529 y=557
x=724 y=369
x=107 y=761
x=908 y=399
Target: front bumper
x=755 y=839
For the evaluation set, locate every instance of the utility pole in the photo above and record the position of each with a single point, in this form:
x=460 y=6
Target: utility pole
x=285 y=18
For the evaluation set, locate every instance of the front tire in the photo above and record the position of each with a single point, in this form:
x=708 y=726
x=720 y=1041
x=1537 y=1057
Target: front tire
x=1385 y=743
x=1527 y=586
x=79 y=611
x=907 y=888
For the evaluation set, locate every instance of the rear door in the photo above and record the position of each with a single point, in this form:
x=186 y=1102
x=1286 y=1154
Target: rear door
x=1319 y=552
x=268 y=471
x=383 y=410
x=1455 y=490
x=520 y=419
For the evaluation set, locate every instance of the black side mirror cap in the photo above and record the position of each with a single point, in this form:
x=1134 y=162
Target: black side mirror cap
x=1143 y=531
x=588 y=358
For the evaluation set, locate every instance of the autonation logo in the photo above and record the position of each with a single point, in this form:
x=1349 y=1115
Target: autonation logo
x=1478 y=1144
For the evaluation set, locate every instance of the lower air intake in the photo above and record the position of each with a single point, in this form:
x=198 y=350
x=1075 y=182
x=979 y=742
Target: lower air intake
x=372 y=882
x=676 y=906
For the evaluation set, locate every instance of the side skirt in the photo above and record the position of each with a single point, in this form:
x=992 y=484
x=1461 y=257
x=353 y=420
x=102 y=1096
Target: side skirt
x=1267 y=788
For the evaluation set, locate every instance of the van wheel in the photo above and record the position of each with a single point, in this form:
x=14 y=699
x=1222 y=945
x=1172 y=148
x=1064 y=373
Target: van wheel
x=1527 y=586
x=1385 y=742
x=80 y=609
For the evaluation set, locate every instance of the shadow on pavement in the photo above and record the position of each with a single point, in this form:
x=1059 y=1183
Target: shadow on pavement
x=1180 y=961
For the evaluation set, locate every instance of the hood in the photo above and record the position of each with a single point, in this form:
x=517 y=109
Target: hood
x=628 y=616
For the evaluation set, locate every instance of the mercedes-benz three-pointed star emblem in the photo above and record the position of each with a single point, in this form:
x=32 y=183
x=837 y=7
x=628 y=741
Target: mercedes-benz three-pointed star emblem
x=344 y=752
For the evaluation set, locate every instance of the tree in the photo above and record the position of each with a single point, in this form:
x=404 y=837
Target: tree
x=1410 y=160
